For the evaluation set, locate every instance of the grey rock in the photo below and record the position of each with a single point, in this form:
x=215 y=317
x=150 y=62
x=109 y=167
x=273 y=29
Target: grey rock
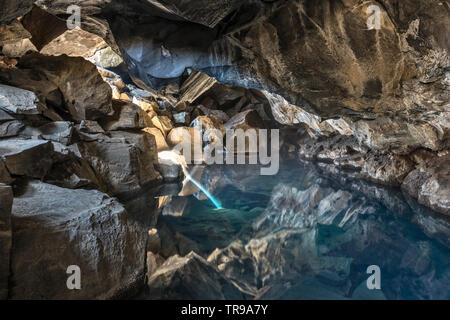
x=10 y=129
x=430 y=184
x=123 y=161
x=55 y=228
x=4 y=116
x=32 y=158
x=18 y=101
x=82 y=90
x=58 y=131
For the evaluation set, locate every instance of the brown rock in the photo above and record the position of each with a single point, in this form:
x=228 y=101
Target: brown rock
x=6 y=201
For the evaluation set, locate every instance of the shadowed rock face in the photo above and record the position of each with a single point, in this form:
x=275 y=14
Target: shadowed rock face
x=55 y=228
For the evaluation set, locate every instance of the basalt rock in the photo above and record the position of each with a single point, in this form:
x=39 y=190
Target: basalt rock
x=18 y=101
x=123 y=161
x=54 y=228
x=72 y=85
x=23 y=157
x=129 y=116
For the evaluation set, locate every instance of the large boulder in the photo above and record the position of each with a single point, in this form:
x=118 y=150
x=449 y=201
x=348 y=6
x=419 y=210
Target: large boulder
x=72 y=85
x=123 y=161
x=55 y=228
x=70 y=170
x=129 y=116
x=6 y=201
x=192 y=278
x=22 y=157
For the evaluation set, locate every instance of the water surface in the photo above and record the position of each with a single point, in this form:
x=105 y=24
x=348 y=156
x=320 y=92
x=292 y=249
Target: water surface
x=303 y=234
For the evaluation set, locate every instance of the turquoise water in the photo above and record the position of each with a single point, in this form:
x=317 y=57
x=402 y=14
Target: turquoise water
x=304 y=234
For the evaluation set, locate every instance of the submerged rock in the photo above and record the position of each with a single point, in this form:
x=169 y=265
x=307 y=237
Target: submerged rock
x=55 y=228
x=190 y=277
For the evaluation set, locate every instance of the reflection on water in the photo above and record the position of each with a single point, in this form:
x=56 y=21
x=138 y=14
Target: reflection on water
x=303 y=235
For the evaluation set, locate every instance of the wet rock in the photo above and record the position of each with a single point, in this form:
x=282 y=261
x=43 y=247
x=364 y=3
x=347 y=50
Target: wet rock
x=123 y=161
x=18 y=101
x=176 y=207
x=190 y=277
x=130 y=116
x=430 y=184
x=6 y=201
x=31 y=158
x=390 y=169
x=73 y=227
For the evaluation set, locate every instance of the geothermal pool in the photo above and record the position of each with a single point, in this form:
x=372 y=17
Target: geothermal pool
x=304 y=234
